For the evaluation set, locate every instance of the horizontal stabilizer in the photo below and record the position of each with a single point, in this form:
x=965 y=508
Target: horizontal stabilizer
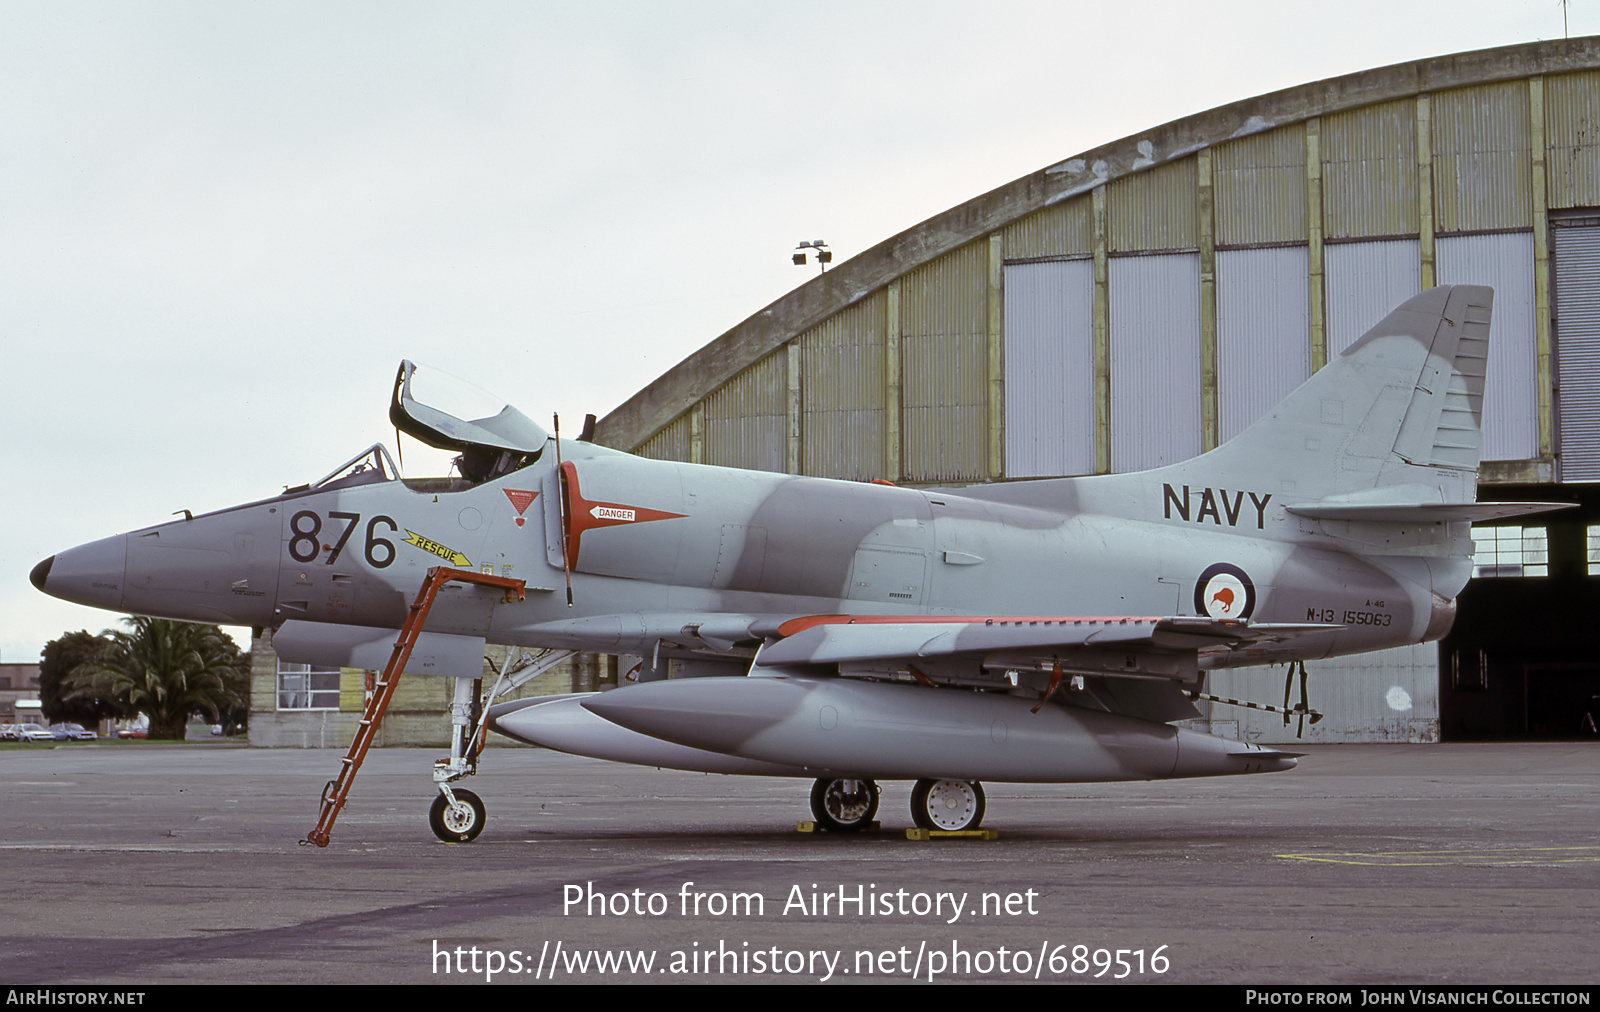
x=1424 y=513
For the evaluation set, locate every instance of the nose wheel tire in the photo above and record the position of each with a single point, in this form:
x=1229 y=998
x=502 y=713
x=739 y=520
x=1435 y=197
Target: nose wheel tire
x=947 y=805
x=844 y=806
x=458 y=823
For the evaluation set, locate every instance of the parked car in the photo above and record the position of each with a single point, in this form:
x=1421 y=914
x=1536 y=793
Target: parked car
x=133 y=732
x=34 y=732
x=8 y=732
x=72 y=732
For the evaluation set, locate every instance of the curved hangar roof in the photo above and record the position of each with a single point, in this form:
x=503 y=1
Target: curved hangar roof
x=1140 y=302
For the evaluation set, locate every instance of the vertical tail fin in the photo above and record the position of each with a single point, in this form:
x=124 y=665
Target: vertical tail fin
x=1403 y=406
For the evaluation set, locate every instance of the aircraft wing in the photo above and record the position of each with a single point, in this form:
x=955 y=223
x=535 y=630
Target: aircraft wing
x=843 y=639
x=1132 y=665
x=942 y=646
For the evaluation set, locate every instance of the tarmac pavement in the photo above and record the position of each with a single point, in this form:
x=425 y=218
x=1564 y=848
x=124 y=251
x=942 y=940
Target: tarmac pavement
x=1370 y=864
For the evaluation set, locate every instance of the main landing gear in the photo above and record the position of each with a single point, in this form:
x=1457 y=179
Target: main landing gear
x=947 y=805
x=847 y=806
x=844 y=806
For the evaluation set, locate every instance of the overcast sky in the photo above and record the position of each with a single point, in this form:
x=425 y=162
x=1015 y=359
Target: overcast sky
x=223 y=225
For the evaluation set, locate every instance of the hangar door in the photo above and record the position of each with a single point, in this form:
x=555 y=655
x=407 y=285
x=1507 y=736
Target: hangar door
x=1520 y=660
x=1049 y=368
x=1576 y=248
x=1154 y=363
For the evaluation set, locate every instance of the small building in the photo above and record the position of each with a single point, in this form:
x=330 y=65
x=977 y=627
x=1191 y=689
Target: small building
x=298 y=706
x=19 y=694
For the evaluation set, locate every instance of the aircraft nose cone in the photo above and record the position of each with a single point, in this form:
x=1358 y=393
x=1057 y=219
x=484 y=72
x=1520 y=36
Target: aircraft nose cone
x=91 y=574
x=41 y=573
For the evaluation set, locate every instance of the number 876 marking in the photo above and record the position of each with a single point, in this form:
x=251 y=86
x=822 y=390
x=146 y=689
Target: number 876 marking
x=305 y=545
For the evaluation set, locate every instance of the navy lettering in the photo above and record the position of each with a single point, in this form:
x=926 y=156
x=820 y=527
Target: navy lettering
x=1233 y=510
x=1172 y=500
x=1261 y=510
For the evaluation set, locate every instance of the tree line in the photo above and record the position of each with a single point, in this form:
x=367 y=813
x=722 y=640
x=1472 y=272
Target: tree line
x=165 y=670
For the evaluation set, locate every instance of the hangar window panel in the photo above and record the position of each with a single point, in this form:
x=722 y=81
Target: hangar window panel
x=949 y=295
x=1263 y=331
x=1369 y=171
x=843 y=384
x=1061 y=230
x=670 y=443
x=1365 y=282
x=1572 y=130
x=1592 y=549
x=1155 y=360
x=1261 y=188
x=1510 y=551
x=303 y=687
x=747 y=419
x=1156 y=209
x=1576 y=250
x=1049 y=368
x=944 y=359
x=1511 y=390
x=1482 y=163
x=946 y=412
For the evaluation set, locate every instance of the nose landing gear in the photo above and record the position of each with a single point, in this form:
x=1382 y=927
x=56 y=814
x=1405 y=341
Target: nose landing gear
x=456 y=816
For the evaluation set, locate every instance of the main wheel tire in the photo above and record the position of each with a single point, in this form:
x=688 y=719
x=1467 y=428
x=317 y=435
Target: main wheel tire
x=841 y=809
x=458 y=823
x=947 y=805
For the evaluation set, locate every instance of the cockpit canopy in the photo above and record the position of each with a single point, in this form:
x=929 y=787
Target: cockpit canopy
x=492 y=442
x=370 y=465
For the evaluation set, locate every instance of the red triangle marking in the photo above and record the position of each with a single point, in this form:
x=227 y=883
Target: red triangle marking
x=521 y=498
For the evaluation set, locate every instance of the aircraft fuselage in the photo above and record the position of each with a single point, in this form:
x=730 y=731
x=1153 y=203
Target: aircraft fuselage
x=653 y=547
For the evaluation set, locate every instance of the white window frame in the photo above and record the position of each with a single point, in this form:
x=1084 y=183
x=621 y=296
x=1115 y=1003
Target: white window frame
x=1510 y=551
x=303 y=687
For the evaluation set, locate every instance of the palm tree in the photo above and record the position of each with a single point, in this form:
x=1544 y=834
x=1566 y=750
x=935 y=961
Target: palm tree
x=167 y=671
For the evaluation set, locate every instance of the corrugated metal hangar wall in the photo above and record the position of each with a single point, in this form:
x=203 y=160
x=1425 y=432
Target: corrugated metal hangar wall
x=1140 y=303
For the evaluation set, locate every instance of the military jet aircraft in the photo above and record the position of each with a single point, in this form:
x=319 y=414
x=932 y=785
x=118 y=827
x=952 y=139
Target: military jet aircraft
x=846 y=632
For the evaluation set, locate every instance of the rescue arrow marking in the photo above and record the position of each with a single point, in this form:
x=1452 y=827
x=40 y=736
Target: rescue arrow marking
x=450 y=555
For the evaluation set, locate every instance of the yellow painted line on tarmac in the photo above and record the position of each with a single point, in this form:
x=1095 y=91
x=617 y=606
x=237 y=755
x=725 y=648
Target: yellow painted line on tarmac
x=1485 y=856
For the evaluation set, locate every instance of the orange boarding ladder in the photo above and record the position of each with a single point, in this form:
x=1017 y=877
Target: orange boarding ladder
x=335 y=793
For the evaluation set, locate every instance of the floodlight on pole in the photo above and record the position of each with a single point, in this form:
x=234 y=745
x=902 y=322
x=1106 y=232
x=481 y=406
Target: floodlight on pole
x=824 y=255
